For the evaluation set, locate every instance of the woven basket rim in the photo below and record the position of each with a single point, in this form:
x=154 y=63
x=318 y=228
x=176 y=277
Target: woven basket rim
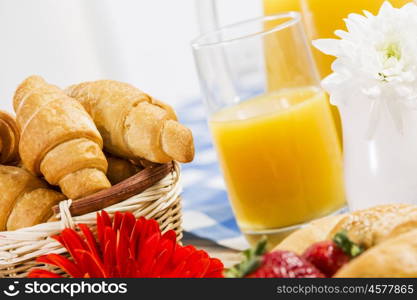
x=68 y=202
x=19 y=248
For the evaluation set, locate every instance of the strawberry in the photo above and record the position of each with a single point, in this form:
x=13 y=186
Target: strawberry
x=326 y=256
x=276 y=264
x=330 y=256
x=285 y=264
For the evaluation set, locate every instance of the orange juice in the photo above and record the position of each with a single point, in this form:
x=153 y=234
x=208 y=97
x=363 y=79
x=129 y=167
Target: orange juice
x=323 y=17
x=281 y=158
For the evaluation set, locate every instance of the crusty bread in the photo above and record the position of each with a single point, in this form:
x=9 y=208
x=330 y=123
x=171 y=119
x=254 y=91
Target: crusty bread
x=388 y=232
x=120 y=169
x=9 y=138
x=395 y=257
x=367 y=227
x=25 y=200
x=372 y=226
x=133 y=124
x=59 y=139
x=33 y=207
x=311 y=233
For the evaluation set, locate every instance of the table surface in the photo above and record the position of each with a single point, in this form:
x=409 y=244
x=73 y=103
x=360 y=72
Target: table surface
x=228 y=256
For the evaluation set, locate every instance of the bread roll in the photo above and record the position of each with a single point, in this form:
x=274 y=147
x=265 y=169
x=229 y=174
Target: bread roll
x=59 y=140
x=25 y=200
x=367 y=227
x=9 y=139
x=395 y=257
x=387 y=232
x=318 y=230
x=120 y=169
x=133 y=124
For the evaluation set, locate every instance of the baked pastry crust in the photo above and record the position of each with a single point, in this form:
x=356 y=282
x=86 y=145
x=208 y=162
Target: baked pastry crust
x=133 y=124
x=120 y=169
x=394 y=257
x=388 y=233
x=9 y=138
x=59 y=140
x=313 y=232
x=25 y=200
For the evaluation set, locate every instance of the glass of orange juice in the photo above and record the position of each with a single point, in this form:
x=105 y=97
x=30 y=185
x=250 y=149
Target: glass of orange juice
x=277 y=144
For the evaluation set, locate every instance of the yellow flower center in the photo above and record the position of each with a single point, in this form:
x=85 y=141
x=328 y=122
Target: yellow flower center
x=390 y=55
x=392 y=50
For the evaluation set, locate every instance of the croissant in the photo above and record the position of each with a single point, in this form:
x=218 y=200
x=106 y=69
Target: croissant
x=395 y=257
x=25 y=200
x=59 y=139
x=133 y=124
x=387 y=232
x=120 y=169
x=9 y=138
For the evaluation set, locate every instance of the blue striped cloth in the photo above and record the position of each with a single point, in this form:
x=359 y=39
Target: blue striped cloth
x=206 y=209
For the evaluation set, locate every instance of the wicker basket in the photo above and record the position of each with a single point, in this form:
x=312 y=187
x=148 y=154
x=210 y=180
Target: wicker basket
x=144 y=194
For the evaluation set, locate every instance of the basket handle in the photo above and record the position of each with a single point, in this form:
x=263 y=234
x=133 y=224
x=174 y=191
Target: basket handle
x=119 y=192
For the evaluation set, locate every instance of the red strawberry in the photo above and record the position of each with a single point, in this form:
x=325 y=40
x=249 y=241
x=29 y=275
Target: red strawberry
x=327 y=257
x=277 y=264
x=285 y=264
x=330 y=256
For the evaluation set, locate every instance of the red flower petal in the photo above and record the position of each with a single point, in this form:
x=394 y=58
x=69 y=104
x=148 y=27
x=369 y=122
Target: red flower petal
x=122 y=253
x=93 y=264
x=40 y=273
x=216 y=269
x=62 y=262
x=128 y=221
x=128 y=248
x=198 y=264
x=91 y=241
x=100 y=231
x=147 y=253
x=117 y=220
x=106 y=218
x=103 y=221
x=135 y=236
x=109 y=255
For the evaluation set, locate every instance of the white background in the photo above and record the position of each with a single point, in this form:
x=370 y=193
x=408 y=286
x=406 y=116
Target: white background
x=144 y=42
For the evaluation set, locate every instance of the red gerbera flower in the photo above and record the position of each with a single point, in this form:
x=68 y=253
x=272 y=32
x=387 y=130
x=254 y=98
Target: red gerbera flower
x=127 y=247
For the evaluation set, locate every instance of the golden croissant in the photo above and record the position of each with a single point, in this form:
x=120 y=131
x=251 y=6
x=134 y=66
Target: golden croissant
x=133 y=124
x=388 y=233
x=120 y=169
x=9 y=138
x=25 y=200
x=59 y=139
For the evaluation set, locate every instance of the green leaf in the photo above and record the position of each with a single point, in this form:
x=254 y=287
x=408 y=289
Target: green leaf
x=251 y=261
x=349 y=247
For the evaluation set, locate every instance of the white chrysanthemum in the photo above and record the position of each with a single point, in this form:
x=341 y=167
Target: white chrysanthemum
x=377 y=57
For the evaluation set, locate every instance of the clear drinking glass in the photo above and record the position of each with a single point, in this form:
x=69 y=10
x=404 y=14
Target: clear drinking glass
x=271 y=124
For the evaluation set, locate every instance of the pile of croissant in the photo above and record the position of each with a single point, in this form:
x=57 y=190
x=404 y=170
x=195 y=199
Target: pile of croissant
x=54 y=148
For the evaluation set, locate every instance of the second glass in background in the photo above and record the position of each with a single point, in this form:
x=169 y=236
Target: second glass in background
x=276 y=140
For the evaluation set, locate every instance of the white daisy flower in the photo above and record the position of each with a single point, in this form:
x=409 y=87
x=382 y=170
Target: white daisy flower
x=375 y=57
